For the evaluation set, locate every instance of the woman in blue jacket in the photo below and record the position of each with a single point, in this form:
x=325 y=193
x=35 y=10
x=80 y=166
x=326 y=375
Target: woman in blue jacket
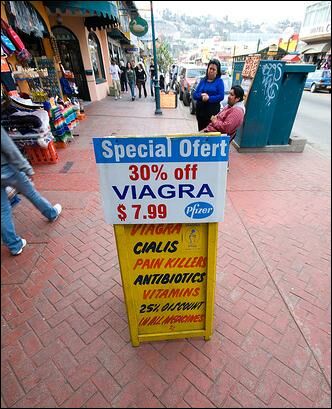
x=209 y=94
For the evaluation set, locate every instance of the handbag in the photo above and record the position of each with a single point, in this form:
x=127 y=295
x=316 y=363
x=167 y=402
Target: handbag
x=24 y=56
x=7 y=43
x=13 y=37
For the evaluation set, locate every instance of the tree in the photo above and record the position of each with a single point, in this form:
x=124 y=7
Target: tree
x=164 y=56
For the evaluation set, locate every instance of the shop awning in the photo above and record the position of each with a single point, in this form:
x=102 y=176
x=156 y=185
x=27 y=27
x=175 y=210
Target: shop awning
x=291 y=58
x=119 y=35
x=98 y=8
x=99 y=14
x=316 y=48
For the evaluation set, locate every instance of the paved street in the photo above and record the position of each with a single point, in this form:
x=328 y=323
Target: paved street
x=313 y=120
x=65 y=337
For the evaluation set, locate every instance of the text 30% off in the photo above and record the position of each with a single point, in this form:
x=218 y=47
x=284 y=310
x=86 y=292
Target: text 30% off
x=144 y=172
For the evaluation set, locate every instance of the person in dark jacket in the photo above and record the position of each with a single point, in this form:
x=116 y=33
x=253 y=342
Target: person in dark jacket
x=123 y=77
x=208 y=94
x=152 y=77
x=16 y=172
x=162 y=82
x=131 y=74
x=141 y=79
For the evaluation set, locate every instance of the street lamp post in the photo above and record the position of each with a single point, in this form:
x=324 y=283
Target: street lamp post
x=158 y=111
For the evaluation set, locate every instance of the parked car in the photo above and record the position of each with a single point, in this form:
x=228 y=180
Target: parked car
x=187 y=77
x=318 y=80
x=227 y=83
x=223 y=67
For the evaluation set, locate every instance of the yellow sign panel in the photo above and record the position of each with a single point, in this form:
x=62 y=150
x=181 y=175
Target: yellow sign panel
x=168 y=273
x=290 y=45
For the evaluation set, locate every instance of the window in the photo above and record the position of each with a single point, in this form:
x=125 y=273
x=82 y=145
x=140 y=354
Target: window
x=96 y=58
x=196 y=72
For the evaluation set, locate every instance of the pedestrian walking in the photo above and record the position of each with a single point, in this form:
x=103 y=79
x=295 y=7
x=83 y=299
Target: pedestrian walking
x=173 y=76
x=131 y=75
x=115 y=73
x=162 y=82
x=123 y=77
x=152 y=77
x=16 y=172
x=141 y=79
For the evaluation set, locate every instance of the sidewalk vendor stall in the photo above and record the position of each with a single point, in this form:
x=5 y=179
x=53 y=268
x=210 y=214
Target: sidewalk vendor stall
x=30 y=77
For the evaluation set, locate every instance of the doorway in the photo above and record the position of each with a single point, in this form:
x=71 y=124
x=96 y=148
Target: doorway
x=71 y=58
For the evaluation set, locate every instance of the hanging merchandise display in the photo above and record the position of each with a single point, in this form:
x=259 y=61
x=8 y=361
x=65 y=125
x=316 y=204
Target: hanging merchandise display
x=49 y=83
x=8 y=45
x=26 y=18
x=7 y=32
x=6 y=76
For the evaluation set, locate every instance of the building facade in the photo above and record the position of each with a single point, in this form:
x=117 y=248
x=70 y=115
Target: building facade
x=78 y=38
x=316 y=32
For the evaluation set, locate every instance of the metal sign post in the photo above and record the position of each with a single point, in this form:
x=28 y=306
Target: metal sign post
x=158 y=111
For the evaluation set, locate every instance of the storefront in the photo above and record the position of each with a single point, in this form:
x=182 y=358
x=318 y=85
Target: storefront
x=117 y=41
x=71 y=59
x=80 y=31
x=316 y=53
x=34 y=51
x=37 y=114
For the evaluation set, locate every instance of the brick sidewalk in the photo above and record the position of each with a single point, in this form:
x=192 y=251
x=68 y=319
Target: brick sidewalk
x=65 y=338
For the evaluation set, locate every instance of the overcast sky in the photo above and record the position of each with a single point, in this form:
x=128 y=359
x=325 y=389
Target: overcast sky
x=254 y=11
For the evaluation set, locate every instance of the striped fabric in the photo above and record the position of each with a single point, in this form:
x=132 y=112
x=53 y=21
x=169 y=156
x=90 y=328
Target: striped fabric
x=59 y=127
x=63 y=120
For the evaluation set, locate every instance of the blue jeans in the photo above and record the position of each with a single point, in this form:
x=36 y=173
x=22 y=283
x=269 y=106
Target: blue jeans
x=20 y=181
x=132 y=88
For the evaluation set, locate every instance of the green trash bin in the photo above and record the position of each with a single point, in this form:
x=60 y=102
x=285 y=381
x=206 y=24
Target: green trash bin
x=272 y=103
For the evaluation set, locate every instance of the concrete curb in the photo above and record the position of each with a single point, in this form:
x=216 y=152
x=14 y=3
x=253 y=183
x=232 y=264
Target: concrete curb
x=296 y=144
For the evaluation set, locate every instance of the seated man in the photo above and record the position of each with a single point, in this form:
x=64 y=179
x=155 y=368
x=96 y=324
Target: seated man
x=231 y=116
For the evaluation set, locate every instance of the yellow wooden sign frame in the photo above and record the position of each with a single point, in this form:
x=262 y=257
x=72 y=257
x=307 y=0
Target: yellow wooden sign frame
x=121 y=232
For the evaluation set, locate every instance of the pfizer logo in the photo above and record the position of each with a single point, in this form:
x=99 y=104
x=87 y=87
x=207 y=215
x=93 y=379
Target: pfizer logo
x=198 y=210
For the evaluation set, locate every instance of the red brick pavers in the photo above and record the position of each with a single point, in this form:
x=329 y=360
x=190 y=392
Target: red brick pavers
x=65 y=339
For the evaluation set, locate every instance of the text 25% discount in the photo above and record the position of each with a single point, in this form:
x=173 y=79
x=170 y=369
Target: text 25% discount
x=152 y=211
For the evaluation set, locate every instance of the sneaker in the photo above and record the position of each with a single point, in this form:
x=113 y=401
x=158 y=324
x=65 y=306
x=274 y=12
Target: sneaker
x=116 y=98
x=24 y=243
x=120 y=97
x=133 y=98
x=58 y=209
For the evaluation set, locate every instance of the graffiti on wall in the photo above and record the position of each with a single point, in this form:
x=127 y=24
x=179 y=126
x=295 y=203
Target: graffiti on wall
x=271 y=75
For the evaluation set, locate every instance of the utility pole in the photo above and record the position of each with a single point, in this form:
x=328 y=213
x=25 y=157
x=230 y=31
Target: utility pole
x=233 y=58
x=158 y=111
x=258 y=42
